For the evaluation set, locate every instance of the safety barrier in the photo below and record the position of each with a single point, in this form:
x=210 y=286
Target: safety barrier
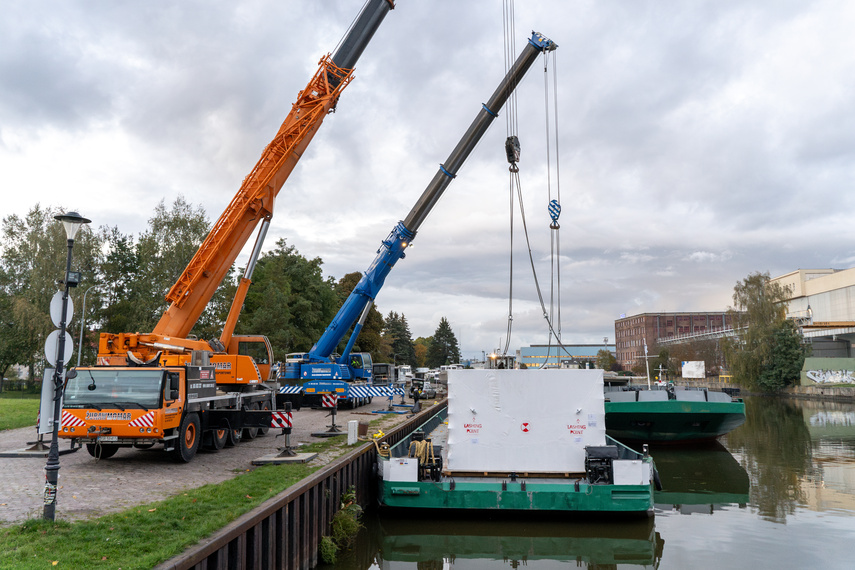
x=285 y=531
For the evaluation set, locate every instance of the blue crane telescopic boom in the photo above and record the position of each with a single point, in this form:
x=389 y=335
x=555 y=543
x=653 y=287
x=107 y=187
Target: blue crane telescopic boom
x=318 y=367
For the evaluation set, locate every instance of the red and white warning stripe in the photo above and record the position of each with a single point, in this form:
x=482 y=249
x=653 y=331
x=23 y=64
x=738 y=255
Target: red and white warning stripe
x=70 y=420
x=146 y=420
x=281 y=420
x=329 y=400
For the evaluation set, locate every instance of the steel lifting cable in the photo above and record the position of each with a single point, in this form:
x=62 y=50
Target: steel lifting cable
x=512 y=151
x=554 y=211
x=510 y=33
x=557 y=182
x=512 y=168
x=554 y=206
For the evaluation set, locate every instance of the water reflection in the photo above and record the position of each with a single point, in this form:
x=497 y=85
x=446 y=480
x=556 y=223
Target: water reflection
x=775 y=448
x=831 y=486
x=438 y=543
x=797 y=453
x=791 y=462
x=699 y=479
x=397 y=542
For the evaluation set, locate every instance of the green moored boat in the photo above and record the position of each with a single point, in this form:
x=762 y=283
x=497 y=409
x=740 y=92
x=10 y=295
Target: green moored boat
x=674 y=415
x=489 y=449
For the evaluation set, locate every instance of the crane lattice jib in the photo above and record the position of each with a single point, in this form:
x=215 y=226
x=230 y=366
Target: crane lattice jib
x=253 y=202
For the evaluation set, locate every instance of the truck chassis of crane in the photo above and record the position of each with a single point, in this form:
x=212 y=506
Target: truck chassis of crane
x=179 y=407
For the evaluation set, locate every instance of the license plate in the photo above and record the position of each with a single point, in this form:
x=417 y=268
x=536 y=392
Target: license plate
x=108 y=438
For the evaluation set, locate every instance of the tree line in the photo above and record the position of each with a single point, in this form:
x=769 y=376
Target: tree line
x=126 y=278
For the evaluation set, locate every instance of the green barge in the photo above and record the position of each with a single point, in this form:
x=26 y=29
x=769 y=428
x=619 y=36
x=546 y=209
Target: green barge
x=479 y=453
x=671 y=416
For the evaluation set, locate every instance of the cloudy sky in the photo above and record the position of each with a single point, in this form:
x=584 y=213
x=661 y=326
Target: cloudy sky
x=697 y=142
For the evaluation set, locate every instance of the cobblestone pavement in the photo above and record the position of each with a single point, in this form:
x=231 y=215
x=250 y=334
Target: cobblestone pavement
x=90 y=488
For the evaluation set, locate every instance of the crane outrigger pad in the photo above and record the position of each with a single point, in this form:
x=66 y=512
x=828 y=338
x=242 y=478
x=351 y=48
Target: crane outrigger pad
x=279 y=458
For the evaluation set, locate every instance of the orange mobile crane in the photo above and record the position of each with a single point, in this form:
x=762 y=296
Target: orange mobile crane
x=165 y=387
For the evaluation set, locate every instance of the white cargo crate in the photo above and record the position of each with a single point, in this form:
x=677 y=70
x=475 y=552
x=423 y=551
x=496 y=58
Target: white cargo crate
x=523 y=421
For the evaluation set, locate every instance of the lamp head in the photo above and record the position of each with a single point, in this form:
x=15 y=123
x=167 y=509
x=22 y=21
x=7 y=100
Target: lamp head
x=72 y=221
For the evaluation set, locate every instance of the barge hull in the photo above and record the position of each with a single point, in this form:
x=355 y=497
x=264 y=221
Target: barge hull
x=517 y=496
x=672 y=421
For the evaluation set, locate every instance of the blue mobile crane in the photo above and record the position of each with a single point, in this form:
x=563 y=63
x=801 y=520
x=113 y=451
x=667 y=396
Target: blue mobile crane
x=320 y=371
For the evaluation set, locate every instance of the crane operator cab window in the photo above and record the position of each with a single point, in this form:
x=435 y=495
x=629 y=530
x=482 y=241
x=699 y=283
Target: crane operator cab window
x=255 y=349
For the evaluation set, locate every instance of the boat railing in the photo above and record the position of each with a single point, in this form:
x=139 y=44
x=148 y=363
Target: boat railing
x=624 y=452
x=401 y=449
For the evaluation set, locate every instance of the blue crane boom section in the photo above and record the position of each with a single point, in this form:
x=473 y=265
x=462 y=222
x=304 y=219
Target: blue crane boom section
x=318 y=364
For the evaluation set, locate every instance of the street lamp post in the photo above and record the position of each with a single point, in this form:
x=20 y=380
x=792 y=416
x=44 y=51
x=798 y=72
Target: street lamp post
x=72 y=221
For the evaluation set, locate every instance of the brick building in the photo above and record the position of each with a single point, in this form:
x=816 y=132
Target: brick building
x=631 y=332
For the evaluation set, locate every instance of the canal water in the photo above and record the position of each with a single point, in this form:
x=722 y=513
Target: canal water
x=778 y=492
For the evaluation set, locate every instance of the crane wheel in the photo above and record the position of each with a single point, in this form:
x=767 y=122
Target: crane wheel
x=189 y=437
x=101 y=450
x=251 y=433
x=233 y=437
x=216 y=439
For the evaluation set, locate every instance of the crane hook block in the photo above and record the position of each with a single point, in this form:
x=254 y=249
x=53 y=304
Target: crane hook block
x=512 y=149
x=554 y=212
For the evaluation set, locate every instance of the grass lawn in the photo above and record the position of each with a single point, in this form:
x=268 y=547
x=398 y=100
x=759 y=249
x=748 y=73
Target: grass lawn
x=147 y=535
x=17 y=411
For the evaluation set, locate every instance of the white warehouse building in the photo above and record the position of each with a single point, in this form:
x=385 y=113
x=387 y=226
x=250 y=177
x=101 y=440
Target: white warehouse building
x=822 y=302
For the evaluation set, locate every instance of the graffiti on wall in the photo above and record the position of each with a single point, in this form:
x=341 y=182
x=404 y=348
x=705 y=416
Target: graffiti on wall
x=832 y=376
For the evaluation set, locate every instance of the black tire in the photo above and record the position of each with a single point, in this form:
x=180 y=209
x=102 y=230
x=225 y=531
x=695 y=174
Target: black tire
x=250 y=433
x=215 y=439
x=102 y=450
x=189 y=437
x=233 y=437
x=265 y=406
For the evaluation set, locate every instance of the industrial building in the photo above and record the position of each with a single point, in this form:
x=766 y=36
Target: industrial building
x=822 y=302
x=656 y=329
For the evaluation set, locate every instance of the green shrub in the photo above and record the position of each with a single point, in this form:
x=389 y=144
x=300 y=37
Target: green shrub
x=344 y=527
x=329 y=551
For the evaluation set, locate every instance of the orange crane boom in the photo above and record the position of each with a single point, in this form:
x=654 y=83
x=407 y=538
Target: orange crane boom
x=253 y=202
x=251 y=206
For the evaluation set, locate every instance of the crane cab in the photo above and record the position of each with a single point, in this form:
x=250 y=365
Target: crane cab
x=247 y=360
